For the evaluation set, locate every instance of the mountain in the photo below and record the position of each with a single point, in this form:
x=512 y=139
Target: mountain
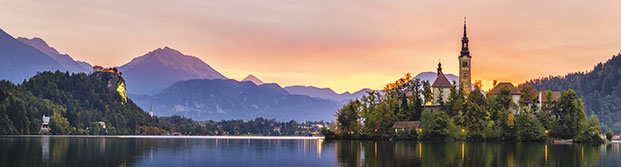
x=600 y=90
x=21 y=61
x=154 y=71
x=205 y=99
x=325 y=93
x=253 y=79
x=63 y=59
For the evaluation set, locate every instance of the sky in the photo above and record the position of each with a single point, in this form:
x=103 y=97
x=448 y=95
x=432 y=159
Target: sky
x=344 y=45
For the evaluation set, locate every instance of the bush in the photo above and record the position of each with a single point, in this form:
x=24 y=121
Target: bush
x=456 y=132
x=492 y=132
x=328 y=134
x=434 y=126
x=406 y=134
x=529 y=128
x=589 y=131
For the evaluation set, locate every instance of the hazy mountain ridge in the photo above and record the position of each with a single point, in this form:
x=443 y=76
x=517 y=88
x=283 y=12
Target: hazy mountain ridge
x=205 y=99
x=154 y=71
x=21 y=61
x=63 y=59
x=325 y=93
x=253 y=79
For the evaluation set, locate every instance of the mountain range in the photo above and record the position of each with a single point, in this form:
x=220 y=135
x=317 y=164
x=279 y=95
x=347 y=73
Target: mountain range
x=326 y=93
x=169 y=81
x=214 y=99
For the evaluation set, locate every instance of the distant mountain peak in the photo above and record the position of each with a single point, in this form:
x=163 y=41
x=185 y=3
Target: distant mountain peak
x=39 y=44
x=63 y=59
x=253 y=79
x=159 y=68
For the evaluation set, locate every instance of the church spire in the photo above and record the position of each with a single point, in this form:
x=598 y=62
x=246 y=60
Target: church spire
x=439 y=68
x=465 y=36
x=464 y=42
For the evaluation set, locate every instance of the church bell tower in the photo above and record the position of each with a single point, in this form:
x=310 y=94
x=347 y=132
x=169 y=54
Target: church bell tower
x=464 y=64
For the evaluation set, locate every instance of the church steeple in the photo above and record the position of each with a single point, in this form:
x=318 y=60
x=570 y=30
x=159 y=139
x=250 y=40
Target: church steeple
x=464 y=42
x=465 y=64
x=439 y=68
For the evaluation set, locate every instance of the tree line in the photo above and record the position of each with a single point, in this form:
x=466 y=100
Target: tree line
x=76 y=103
x=476 y=117
x=600 y=89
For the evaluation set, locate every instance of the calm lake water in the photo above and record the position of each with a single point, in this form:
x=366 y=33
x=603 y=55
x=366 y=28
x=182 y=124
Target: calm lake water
x=117 y=151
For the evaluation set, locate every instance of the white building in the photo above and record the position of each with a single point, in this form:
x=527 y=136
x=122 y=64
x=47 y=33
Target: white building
x=440 y=88
x=45 y=124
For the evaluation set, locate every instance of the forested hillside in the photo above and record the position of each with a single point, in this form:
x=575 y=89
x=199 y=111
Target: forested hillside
x=75 y=103
x=600 y=90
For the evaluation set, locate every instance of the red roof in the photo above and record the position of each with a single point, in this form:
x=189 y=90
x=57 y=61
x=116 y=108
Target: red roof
x=406 y=125
x=514 y=90
x=555 y=95
x=441 y=81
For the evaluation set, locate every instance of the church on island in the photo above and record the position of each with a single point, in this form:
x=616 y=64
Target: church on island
x=440 y=87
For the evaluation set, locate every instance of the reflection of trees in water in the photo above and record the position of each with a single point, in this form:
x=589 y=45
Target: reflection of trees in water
x=567 y=155
x=407 y=153
x=71 y=151
x=375 y=153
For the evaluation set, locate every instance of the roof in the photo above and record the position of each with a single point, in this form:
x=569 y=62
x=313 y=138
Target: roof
x=514 y=90
x=555 y=95
x=441 y=81
x=406 y=125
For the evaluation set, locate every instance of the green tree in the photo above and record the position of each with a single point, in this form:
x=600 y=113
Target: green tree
x=609 y=135
x=59 y=125
x=434 y=125
x=528 y=128
x=589 y=131
x=347 y=118
x=571 y=115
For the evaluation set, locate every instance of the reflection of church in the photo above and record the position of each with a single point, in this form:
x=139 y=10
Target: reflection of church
x=441 y=86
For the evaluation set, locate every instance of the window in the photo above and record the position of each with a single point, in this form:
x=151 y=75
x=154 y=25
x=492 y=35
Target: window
x=464 y=64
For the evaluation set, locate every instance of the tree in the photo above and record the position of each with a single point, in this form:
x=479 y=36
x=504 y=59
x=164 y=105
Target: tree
x=589 y=131
x=529 y=94
x=571 y=115
x=609 y=135
x=59 y=125
x=434 y=125
x=528 y=128
x=347 y=117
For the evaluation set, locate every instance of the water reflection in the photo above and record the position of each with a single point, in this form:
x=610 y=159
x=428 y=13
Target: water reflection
x=114 y=151
x=402 y=153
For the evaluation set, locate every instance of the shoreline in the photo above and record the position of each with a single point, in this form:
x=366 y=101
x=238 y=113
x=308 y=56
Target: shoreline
x=172 y=137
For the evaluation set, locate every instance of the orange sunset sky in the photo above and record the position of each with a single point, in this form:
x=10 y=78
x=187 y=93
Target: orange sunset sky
x=345 y=45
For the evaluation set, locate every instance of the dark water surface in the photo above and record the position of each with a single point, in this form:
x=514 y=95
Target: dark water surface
x=116 y=151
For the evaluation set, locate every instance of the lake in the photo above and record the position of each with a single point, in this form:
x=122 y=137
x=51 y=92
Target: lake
x=208 y=151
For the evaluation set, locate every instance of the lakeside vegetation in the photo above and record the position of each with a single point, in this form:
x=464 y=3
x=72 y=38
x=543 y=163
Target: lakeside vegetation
x=76 y=103
x=600 y=89
x=477 y=117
